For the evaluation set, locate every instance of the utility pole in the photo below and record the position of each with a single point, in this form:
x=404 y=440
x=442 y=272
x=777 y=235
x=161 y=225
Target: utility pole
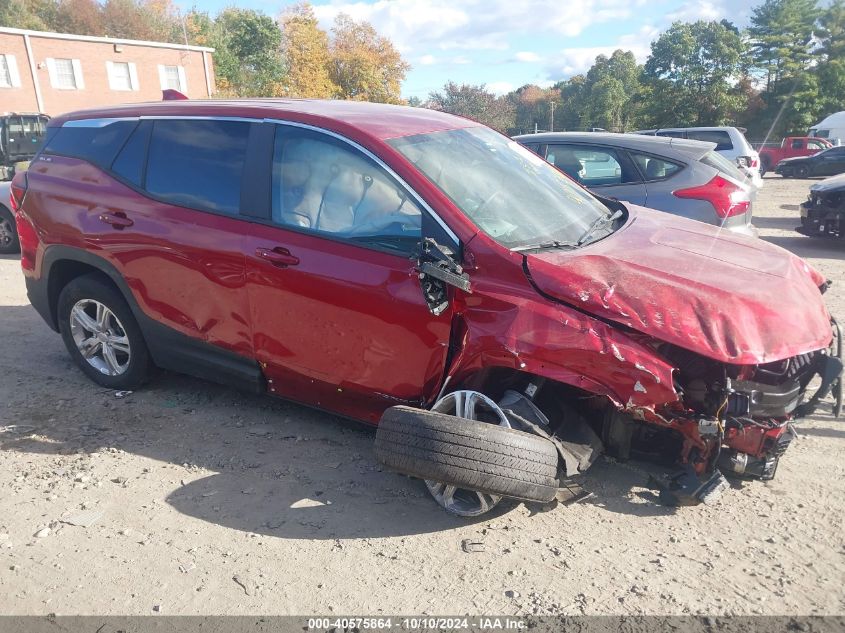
x=551 y=116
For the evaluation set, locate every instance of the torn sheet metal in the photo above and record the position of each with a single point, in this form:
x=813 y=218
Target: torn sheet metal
x=730 y=298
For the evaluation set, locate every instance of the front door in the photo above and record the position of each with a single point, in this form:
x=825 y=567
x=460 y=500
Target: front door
x=338 y=316
x=831 y=162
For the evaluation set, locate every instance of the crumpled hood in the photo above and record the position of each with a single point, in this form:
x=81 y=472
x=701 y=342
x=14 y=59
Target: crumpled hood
x=735 y=299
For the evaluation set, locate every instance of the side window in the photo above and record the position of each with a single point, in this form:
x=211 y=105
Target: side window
x=654 y=168
x=797 y=143
x=592 y=166
x=131 y=160
x=671 y=134
x=198 y=163
x=815 y=145
x=325 y=185
x=720 y=137
x=98 y=144
x=534 y=147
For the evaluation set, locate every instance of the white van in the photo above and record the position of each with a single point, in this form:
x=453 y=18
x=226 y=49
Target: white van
x=730 y=143
x=832 y=128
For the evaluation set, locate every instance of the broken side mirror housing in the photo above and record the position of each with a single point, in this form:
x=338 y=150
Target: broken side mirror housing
x=438 y=269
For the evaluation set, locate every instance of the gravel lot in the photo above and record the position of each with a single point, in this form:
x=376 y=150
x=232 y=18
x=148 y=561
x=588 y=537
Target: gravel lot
x=187 y=498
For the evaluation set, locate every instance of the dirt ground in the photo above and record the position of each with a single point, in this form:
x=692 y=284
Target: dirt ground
x=187 y=498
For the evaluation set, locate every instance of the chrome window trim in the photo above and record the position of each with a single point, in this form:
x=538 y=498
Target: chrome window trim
x=97 y=123
x=102 y=122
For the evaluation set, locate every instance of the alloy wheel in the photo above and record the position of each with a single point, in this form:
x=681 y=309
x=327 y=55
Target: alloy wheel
x=100 y=337
x=470 y=405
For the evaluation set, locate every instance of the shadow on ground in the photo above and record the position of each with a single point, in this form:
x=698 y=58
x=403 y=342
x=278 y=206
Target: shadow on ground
x=279 y=468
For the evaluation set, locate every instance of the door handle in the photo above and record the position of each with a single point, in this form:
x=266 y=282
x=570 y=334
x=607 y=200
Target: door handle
x=117 y=219
x=278 y=256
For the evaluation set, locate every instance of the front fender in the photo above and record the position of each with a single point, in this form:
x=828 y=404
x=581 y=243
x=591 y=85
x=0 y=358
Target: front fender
x=561 y=344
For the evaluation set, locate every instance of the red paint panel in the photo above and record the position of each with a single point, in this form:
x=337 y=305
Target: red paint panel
x=346 y=328
x=185 y=267
x=734 y=299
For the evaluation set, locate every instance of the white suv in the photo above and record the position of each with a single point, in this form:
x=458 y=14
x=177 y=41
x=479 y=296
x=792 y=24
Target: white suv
x=730 y=142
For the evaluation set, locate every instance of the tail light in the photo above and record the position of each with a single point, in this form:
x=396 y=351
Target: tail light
x=17 y=190
x=725 y=196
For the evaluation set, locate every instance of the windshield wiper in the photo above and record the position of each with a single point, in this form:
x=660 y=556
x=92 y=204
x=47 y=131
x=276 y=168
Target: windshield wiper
x=545 y=245
x=599 y=223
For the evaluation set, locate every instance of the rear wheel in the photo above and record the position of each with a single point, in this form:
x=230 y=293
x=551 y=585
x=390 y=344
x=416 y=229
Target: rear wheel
x=101 y=333
x=802 y=172
x=467 y=454
x=8 y=232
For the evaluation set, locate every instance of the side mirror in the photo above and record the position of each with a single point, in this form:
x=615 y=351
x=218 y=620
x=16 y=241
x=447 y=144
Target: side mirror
x=437 y=269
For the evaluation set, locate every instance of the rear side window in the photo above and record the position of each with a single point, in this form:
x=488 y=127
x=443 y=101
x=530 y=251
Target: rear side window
x=654 y=168
x=720 y=137
x=98 y=145
x=131 y=160
x=198 y=163
x=670 y=134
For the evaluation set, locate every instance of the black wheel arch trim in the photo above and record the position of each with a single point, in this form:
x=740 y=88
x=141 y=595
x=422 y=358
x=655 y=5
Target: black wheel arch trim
x=168 y=348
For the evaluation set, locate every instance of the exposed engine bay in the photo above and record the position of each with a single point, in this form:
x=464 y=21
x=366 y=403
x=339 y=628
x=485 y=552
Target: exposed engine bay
x=730 y=420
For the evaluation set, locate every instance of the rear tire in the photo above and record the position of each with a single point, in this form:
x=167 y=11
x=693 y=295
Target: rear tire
x=468 y=454
x=9 y=243
x=127 y=363
x=802 y=172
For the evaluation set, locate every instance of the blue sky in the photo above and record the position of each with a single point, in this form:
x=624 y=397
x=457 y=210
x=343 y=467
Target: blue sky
x=507 y=43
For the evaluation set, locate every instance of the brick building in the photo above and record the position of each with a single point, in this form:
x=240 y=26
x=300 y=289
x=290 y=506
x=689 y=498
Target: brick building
x=58 y=72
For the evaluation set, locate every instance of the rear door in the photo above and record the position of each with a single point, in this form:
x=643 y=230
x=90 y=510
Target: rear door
x=605 y=170
x=337 y=312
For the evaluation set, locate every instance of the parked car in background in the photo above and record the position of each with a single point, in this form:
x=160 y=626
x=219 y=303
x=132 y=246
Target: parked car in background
x=730 y=142
x=790 y=147
x=20 y=138
x=831 y=128
x=8 y=231
x=823 y=213
x=829 y=162
x=417 y=270
x=682 y=177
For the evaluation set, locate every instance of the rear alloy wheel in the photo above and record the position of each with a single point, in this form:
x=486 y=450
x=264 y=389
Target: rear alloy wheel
x=467 y=453
x=8 y=233
x=802 y=172
x=101 y=334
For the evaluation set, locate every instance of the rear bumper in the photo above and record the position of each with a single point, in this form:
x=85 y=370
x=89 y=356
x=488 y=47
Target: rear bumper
x=38 y=294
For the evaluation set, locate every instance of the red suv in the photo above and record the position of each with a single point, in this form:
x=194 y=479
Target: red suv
x=406 y=266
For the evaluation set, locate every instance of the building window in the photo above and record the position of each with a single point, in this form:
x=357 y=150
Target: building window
x=9 y=77
x=173 y=78
x=65 y=74
x=122 y=76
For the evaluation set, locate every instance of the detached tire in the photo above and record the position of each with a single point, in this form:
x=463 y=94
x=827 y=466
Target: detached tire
x=467 y=454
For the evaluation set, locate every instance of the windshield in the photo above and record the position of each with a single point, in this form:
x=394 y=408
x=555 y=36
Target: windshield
x=509 y=192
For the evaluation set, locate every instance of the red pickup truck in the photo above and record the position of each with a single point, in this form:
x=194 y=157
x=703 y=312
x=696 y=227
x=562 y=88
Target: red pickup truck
x=790 y=147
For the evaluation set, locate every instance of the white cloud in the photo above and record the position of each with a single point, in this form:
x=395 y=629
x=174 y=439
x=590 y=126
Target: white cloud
x=499 y=87
x=737 y=11
x=416 y=25
x=572 y=61
x=427 y=60
x=527 y=56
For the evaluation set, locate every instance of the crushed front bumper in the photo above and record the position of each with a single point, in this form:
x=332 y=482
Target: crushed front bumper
x=820 y=219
